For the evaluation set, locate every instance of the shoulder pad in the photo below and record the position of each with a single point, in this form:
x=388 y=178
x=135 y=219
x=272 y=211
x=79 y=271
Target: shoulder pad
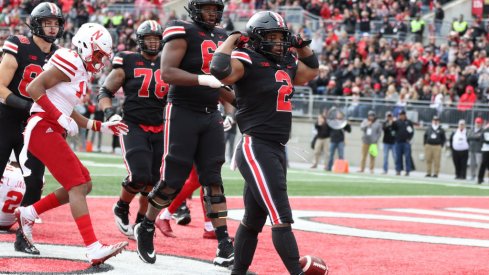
x=174 y=29
x=67 y=61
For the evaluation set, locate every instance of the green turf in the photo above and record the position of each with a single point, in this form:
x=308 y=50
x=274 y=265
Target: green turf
x=107 y=172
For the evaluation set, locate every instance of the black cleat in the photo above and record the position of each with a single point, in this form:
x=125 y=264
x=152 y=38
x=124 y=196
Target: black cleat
x=22 y=245
x=121 y=216
x=225 y=253
x=144 y=239
x=182 y=215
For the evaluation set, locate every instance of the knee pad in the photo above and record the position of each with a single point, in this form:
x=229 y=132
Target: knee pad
x=210 y=199
x=162 y=195
x=132 y=186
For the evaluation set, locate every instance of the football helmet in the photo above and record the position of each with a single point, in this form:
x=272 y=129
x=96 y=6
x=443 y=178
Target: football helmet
x=92 y=38
x=42 y=11
x=265 y=22
x=194 y=9
x=149 y=27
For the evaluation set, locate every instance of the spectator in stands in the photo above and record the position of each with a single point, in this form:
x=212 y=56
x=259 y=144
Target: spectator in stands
x=460 y=150
x=417 y=28
x=372 y=130
x=460 y=26
x=467 y=100
x=321 y=142
x=388 y=140
x=485 y=154
x=439 y=16
x=434 y=139
x=475 y=147
x=436 y=102
x=404 y=133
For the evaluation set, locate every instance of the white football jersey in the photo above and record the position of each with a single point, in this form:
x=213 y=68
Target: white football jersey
x=12 y=189
x=66 y=95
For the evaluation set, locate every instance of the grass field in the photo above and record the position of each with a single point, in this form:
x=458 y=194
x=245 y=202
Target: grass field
x=107 y=172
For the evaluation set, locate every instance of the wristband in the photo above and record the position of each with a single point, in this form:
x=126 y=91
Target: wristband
x=48 y=107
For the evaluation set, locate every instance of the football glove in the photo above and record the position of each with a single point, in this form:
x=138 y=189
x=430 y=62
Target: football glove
x=68 y=124
x=297 y=42
x=227 y=123
x=115 y=128
x=243 y=39
x=209 y=80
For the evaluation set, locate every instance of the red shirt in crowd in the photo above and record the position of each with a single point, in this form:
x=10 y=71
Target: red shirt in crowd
x=467 y=100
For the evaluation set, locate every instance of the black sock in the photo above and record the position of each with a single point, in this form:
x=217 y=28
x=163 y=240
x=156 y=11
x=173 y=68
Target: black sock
x=222 y=233
x=146 y=223
x=122 y=204
x=139 y=218
x=244 y=249
x=286 y=246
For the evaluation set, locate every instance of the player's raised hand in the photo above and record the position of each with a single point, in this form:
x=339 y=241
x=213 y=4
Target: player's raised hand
x=241 y=38
x=68 y=124
x=209 y=80
x=115 y=128
x=297 y=42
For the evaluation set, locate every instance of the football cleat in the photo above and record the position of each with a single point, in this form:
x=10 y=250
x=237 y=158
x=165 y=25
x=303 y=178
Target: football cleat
x=121 y=216
x=25 y=224
x=145 y=247
x=165 y=227
x=99 y=255
x=182 y=215
x=224 y=253
x=22 y=245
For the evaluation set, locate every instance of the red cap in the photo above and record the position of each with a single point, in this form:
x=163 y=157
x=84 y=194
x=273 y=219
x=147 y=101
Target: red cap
x=377 y=86
x=479 y=120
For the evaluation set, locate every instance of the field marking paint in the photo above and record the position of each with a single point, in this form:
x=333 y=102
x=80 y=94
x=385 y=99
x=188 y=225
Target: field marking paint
x=439 y=213
x=469 y=209
x=303 y=222
x=127 y=262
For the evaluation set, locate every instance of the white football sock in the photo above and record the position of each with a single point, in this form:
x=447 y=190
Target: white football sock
x=94 y=246
x=166 y=215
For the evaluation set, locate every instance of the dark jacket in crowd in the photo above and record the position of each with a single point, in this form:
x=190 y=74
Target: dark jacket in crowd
x=404 y=130
x=389 y=133
x=475 y=140
x=434 y=137
x=337 y=136
x=323 y=130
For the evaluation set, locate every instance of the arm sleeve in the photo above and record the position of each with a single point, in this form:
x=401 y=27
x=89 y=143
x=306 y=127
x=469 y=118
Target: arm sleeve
x=11 y=45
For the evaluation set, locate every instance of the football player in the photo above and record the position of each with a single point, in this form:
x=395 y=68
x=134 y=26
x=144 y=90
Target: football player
x=264 y=76
x=56 y=92
x=12 y=189
x=138 y=73
x=193 y=126
x=22 y=61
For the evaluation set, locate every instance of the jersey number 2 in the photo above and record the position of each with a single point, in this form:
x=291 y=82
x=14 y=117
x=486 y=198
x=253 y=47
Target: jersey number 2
x=13 y=201
x=283 y=96
x=30 y=72
x=161 y=87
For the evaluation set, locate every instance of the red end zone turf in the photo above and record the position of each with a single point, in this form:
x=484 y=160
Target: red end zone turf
x=343 y=254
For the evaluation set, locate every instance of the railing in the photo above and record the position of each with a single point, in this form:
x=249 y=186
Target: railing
x=307 y=105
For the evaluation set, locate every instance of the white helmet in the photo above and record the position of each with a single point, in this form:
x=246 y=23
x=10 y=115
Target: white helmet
x=92 y=37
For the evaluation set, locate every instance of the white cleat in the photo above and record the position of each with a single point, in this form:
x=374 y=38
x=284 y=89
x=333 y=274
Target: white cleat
x=25 y=223
x=99 y=255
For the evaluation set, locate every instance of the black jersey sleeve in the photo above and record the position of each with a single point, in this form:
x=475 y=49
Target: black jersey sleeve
x=174 y=30
x=118 y=60
x=11 y=45
x=243 y=56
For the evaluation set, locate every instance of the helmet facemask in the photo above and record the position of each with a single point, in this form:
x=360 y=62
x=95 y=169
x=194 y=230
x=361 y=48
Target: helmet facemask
x=265 y=47
x=144 y=47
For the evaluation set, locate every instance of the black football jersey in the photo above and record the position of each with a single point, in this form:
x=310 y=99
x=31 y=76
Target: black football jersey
x=201 y=45
x=30 y=60
x=144 y=90
x=263 y=95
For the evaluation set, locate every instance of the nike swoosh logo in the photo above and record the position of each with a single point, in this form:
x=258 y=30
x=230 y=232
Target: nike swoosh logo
x=152 y=255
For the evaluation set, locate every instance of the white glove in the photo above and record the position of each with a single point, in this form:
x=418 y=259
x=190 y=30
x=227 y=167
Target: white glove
x=115 y=118
x=209 y=80
x=115 y=128
x=227 y=123
x=69 y=124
